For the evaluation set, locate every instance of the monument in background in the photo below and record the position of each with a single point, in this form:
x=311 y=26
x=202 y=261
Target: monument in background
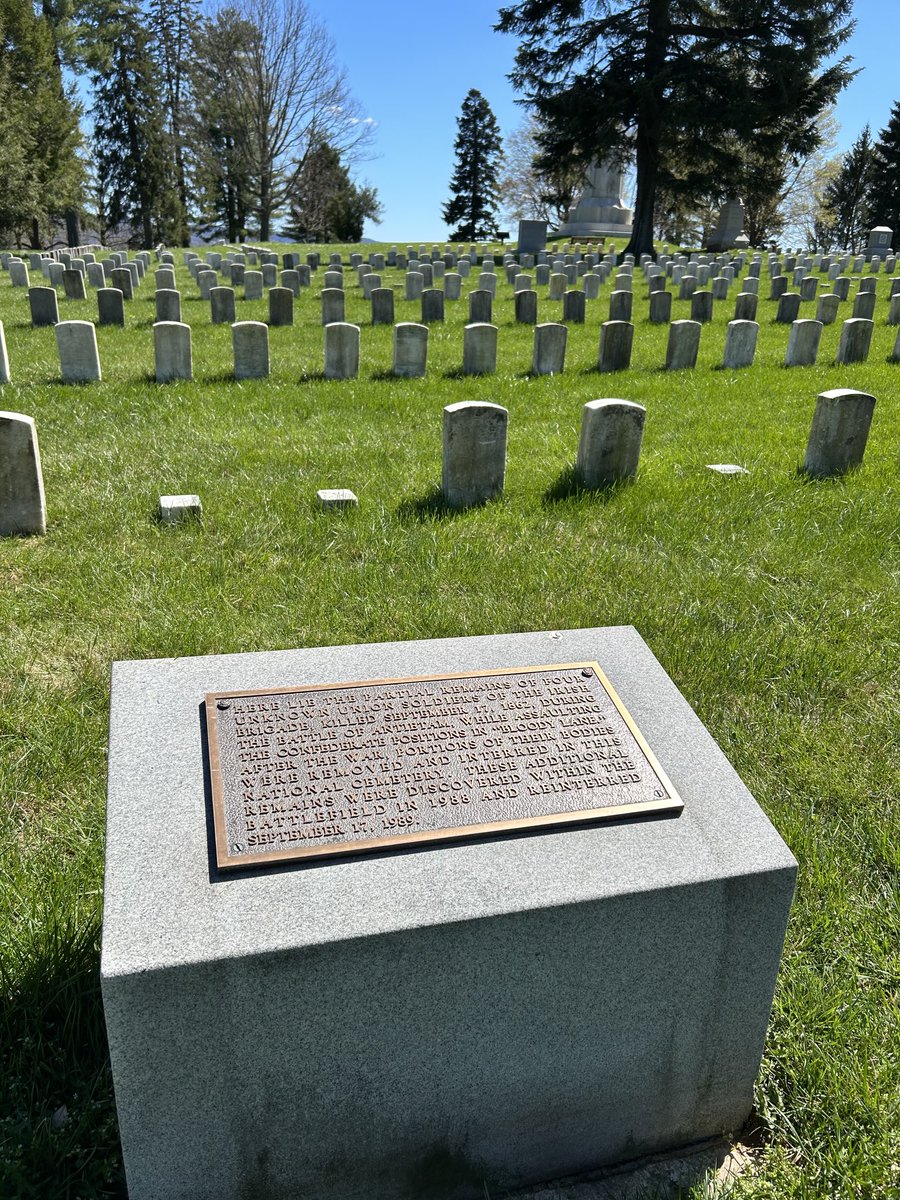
x=729 y=232
x=600 y=210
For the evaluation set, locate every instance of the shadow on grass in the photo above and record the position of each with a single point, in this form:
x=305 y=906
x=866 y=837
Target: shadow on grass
x=430 y=507
x=313 y=377
x=567 y=487
x=55 y=1078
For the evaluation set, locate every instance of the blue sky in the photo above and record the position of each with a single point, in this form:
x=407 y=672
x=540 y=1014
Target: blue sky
x=411 y=62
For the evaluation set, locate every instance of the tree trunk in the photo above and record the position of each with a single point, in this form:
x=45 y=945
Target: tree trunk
x=649 y=128
x=73 y=227
x=35 y=234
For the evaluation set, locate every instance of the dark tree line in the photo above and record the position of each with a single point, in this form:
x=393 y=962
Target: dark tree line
x=865 y=191
x=214 y=121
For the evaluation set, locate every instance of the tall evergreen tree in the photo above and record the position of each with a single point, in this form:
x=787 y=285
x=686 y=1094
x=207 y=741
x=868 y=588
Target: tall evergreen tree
x=129 y=133
x=174 y=23
x=676 y=82
x=474 y=185
x=847 y=196
x=884 y=194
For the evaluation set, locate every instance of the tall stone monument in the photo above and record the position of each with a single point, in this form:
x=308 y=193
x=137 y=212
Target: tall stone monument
x=729 y=231
x=880 y=239
x=600 y=210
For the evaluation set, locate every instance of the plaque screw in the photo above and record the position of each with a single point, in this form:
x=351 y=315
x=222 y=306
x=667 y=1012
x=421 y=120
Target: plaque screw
x=237 y=847
x=224 y=704
x=587 y=672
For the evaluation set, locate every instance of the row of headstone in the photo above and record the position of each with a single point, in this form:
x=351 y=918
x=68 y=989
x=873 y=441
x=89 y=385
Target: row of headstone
x=474 y=450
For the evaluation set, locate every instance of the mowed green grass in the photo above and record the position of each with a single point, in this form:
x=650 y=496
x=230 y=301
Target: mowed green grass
x=772 y=601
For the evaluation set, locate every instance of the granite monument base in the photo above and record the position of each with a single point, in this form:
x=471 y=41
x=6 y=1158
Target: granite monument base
x=435 y=1021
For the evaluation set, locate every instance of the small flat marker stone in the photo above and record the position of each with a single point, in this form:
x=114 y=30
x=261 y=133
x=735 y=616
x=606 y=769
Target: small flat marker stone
x=727 y=468
x=336 y=498
x=173 y=509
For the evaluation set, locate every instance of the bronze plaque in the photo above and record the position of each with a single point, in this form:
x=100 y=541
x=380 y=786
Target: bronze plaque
x=352 y=767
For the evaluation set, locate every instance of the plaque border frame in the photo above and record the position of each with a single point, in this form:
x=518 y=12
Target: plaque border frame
x=226 y=861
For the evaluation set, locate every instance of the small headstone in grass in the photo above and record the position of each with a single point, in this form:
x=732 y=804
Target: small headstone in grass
x=574 y=307
x=96 y=276
x=526 y=307
x=751 y=284
x=620 y=306
x=479 y=349
x=894 y=310
x=18 y=274
x=745 y=306
x=684 y=342
x=727 y=469
x=856 y=340
x=558 y=285
x=336 y=498
x=332 y=305
x=369 y=284
x=410 y=350
x=304 y=275
x=250 y=343
x=173 y=509
x=164 y=278
x=778 y=285
x=313 y=259
x=383 y=306
x=481 y=303
x=135 y=269
x=281 y=306
x=687 y=287
x=702 y=307
x=464 y=268
x=840 y=429
x=827 y=308
x=172 y=351
x=591 y=284
x=808 y=288
x=719 y=289
x=452 y=285
x=22 y=508
x=487 y=282
x=432 y=305
x=438 y=270
x=841 y=286
x=542 y=275
x=44 y=305
x=522 y=283
x=207 y=282
x=788 y=308
x=473 y=463
x=4 y=357
x=549 y=354
x=269 y=274
x=221 y=305
x=238 y=271
x=660 y=308
x=616 y=338
x=79 y=265
x=79 y=361
x=73 y=283
x=803 y=344
x=895 y=353
x=867 y=285
x=415 y=284
x=168 y=304
x=864 y=305
x=610 y=444
x=895 y=288
x=427 y=273
x=341 y=351
x=740 y=344
x=253 y=285
x=290 y=278
x=111 y=306
x=56 y=274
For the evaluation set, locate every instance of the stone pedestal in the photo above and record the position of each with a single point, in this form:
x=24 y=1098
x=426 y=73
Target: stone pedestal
x=729 y=227
x=599 y=211
x=456 y=1019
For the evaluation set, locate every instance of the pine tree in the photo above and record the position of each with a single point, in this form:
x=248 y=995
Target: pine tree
x=475 y=188
x=676 y=82
x=129 y=133
x=174 y=23
x=847 y=196
x=884 y=193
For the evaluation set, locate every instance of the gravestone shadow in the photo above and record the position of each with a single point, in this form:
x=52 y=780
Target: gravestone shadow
x=567 y=487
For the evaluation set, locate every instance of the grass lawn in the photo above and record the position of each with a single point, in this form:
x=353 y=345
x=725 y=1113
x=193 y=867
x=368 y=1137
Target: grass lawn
x=773 y=601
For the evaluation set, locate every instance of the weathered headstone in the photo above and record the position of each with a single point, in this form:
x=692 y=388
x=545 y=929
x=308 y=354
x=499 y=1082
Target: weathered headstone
x=616 y=339
x=175 y=509
x=415 y=284
x=164 y=278
x=168 y=304
x=479 y=349
x=18 y=274
x=864 y=305
x=23 y=510
x=172 y=351
x=250 y=345
x=827 y=308
x=549 y=355
x=574 y=307
x=481 y=304
x=432 y=305
x=253 y=285
x=740 y=344
x=79 y=361
x=44 y=306
x=341 y=351
x=222 y=306
x=856 y=339
x=110 y=306
x=474 y=453
x=620 y=305
x=122 y=281
x=803 y=344
x=840 y=429
x=281 y=306
x=702 y=307
x=410 y=350
x=684 y=343
x=788 y=308
x=660 y=308
x=73 y=283
x=382 y=306
x=332 y=306
x=526 y=307
x=610 y=443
